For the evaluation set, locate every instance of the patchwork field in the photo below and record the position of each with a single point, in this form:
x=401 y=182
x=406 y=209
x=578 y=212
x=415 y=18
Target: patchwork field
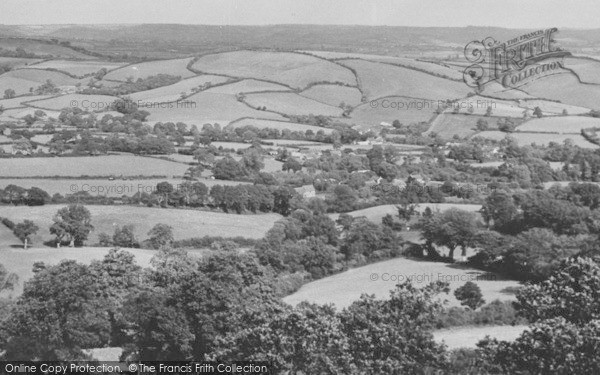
x=20 y=101
x=281 y=125
x=17 y=62
x=91 y=103
x=177 y=67
x=115 y=165
x=586 y=69
x=380 y=278
x=566 y=88
x=185 y=223
x=205 y=108
x=78 y=68
x=446 y=125
x=405 y=110
x=247 y=85
x=292 y=69
x=174 y=92
x=538 y=138
x=292 y=104
x=551 y=107
x=559 y=124
x=24 y=81
x=378 y=80
x=334 y=95
x=422 y=65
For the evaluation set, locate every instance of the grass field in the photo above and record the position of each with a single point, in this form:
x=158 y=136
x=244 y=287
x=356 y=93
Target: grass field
x=17 y=113
x=378 y=80
x=538 y=138
x=334 y=95
x=405 y=61
x=39 y=48
x=101 y=187
x=78 y=68
x=551 y=107
x=375 y=214
x=292 y=104
x=185 y=223
x=247 y=85
x=469 y=336
x=292 y=69
x=91 y=103
x=500 y=108
x=405 y=110
x=379 y=278
x=177 y=67
x=586 y=69
x=566 y=88
x=173 y=92
x=18 y=102
x=233 y=145
x=17 y=62
x=281 y=125
x=22 y=80
x=560 y=124
x=205 y=108
x=116 y=165
x=42 y=138
x=496 y=90
x=446 y=125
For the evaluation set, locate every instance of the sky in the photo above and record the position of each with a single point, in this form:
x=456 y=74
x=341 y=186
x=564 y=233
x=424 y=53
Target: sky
x=502 y=13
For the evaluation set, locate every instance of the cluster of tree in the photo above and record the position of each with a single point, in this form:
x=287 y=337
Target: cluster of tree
x=17 y=195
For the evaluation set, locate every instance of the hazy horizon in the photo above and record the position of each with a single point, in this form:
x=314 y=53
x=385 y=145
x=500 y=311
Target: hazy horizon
x=512 y=14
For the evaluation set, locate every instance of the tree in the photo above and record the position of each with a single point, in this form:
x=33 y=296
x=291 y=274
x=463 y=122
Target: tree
x=537 y=111
x=488 y=111
x=9 y=94
x=469 y=295
x=452 y=228
x=291 y=164
x=482 y=125
x=161 y=235
x=228 y=169
x=72 y=223
x=7 y=280
x=125 y=237
x=25 y=230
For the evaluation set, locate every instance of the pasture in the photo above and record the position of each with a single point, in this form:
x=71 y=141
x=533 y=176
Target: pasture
x=540 y=139
x=565 y=88
x=334 y=95
x=480 y=104
x=91 y=103
x=375 y=214
x=186 y=223
x=17 y=62
x=386 y=110
x=109 y=165
x=18 y=113
x=41 y=48
x=380 y=278
x=291 y=69
x=281 y=125
x=551 y=107
x=378 y=80
x=469 y=336
x=586 y=69
x=292 y=104
x=78 y=68
x=174 y=92
x=559 y=124
x=446 y=125
x=247 y=85
x=20 y=102
x=177 y=67
x=205 y=108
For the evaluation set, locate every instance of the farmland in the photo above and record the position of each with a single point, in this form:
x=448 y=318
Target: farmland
x=205 y=108
x=375 y=214
x=25 y=80
x=143 y=70
x=17 y=62
x=334 y=95
x=468 y=337
x=91 y=103
x=524 y=138
x=42 y=48
x=344 y=288
x=174 y=92
x=186 y=223
x=247 y=85
x=447 y=125
x=291 y=103
x=378 y=80
x=563 y=125
x=405 y=110
x=291 y=69
x=113 y=165
x=566 y=88
x=586 y=69
x=19 y=102
x=78 y=68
